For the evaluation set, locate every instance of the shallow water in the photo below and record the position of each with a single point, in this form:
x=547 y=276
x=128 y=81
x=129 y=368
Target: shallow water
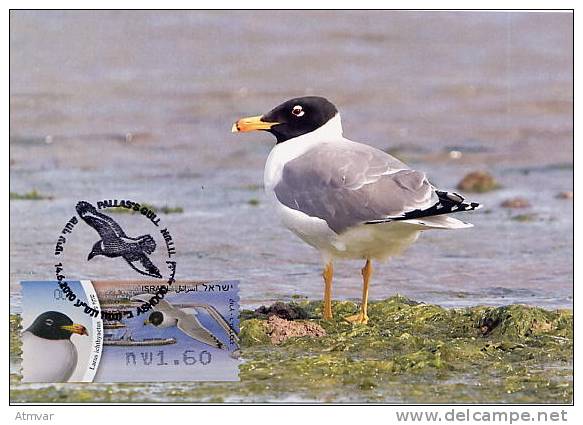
x=139 y=106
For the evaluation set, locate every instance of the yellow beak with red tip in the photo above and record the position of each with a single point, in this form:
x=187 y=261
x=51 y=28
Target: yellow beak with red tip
x=76 y=328
x=251 y=124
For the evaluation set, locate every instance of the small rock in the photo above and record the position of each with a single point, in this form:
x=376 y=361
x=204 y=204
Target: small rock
x=565 y=195
x=515 y=203
x=478 y=181
x=280 y=329
x=455 y=154
x=289 y=311
x=515 y=321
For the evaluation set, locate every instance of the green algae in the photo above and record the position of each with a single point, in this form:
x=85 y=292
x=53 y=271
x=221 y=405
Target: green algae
x=33 y=195
x=171 y=210
x=15 y=343
x=524 y=218
x=253 y=332
x=409 y=352
x=164 y=209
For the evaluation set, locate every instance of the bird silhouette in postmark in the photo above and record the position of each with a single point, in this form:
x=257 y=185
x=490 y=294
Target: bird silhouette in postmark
x=115 y=243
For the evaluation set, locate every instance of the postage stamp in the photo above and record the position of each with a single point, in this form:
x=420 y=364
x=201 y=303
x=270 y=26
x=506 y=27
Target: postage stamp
x=142 y=332
x=60 y=343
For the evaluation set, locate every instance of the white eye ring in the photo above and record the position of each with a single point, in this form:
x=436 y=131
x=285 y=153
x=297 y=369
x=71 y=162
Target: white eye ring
x=49 y=322
x=298 y=111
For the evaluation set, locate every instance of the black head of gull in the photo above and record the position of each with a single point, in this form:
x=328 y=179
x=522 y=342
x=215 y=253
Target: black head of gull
x=55 y=325
x=291 y=119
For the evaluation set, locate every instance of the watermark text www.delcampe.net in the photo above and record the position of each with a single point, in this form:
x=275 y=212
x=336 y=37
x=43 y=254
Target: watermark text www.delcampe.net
x=494 y=416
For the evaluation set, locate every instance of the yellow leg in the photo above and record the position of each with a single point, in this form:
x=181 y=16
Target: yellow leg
x=362 y=316
x=327 y=275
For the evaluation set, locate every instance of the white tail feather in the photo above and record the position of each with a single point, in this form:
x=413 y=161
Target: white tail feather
x=440 y=222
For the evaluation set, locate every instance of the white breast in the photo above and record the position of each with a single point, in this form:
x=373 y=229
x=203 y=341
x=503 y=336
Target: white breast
x=292 y=148
x=45 y=360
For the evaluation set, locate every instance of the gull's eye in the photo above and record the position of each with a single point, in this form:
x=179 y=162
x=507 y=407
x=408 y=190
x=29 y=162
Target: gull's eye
x=49 y=322
x=298 y=111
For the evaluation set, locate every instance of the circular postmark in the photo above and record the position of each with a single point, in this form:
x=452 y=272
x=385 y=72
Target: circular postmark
x=141 y=249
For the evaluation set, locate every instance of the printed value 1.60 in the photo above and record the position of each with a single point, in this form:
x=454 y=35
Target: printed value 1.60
x=158 y=358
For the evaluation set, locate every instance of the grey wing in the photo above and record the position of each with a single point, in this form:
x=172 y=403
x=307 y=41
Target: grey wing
x=191 y=326
x=350 y=183
x=213 y=312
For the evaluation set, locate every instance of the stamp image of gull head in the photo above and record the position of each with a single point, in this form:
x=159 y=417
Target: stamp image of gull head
x=346 y=199
x=49 y=355
x=167 y=315
x=115 y=243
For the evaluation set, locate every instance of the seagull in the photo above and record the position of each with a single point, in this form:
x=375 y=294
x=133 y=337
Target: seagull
x=346 y=199
x=114 y=242
x=48 y=355
x=166 y=315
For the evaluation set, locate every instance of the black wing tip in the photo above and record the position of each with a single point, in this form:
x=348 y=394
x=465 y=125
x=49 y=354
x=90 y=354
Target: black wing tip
x=453 y=202
x=472 y=206
x=475 y=206
x=449 y=202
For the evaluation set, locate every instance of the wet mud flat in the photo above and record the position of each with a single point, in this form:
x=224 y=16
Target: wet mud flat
x=410 y=352
x=447 y=93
